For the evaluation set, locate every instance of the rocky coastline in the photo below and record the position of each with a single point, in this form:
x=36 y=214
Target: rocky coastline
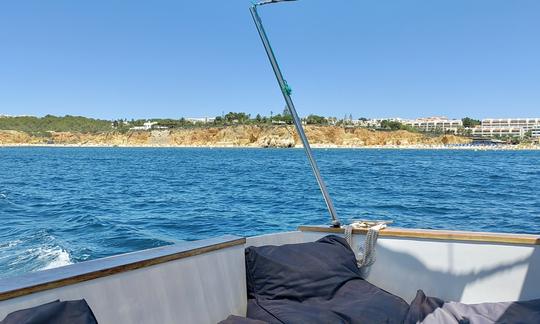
x=282 y=136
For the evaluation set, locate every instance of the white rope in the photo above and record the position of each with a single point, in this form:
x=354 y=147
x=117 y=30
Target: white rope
x=365 y=253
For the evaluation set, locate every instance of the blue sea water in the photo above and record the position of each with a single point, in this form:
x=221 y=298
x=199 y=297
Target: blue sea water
x=65 y=205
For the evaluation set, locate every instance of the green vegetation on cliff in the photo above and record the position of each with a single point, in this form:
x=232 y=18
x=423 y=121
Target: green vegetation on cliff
x=42 y=125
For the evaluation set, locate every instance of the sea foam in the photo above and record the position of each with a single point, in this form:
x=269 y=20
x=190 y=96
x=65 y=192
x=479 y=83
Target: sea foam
x=55 y=257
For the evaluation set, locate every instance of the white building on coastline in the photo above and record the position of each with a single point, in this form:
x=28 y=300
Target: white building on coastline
x=366 y=122
x=148 y=126
x=203 y=120
x=429 y=124
x=507 y=127
x=498 y=131
x=374 y=122
x=432 y=124
x=525 y=123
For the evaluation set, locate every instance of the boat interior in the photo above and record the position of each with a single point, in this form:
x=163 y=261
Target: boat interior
x=205 y=281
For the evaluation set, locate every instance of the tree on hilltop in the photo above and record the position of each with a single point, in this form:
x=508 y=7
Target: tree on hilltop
x=237 y=117
x=470 y=123
x=316 y=120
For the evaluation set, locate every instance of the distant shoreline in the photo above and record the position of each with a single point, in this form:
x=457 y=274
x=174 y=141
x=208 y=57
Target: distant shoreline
x=314 y=146
x=249 y=136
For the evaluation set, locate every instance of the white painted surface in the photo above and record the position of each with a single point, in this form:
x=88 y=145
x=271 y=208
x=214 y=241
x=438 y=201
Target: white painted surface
x=276 y=239
x=201 y=289
x=284 y=238
x=458 y=271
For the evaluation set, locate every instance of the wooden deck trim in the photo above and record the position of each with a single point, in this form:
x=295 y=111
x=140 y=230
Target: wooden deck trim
x=79 y=272
x=523 y=239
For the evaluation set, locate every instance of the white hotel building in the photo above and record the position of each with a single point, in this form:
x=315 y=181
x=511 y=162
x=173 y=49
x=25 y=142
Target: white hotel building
x=432 y=124
x=507 y=127
x=526 y=123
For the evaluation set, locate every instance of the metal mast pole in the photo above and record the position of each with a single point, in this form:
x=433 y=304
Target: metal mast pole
x=286 y=90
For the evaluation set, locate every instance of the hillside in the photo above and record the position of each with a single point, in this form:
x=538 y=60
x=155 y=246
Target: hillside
x=234 y=136
x=40 y=125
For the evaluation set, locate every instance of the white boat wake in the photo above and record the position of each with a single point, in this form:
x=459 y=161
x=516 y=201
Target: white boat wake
x=55 y=257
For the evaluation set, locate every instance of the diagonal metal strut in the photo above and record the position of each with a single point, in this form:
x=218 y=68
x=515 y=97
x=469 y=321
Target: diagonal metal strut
x=286 y=90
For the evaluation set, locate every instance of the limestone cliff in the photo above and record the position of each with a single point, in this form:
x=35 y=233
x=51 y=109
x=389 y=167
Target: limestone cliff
x=233 y=136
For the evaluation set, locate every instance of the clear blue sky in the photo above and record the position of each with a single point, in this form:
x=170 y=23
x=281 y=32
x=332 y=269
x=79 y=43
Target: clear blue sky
x=141 y=59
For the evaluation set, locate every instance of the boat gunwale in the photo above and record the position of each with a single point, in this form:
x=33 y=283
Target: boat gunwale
x=34 y=282
x=446 y=235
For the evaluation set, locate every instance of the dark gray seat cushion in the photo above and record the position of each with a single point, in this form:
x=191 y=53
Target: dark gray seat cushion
x=316 y=282
x=56 y=312
x=431 y=310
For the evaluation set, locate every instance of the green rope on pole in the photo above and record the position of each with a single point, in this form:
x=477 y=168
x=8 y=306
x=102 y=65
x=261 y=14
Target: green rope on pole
x=287 y=89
